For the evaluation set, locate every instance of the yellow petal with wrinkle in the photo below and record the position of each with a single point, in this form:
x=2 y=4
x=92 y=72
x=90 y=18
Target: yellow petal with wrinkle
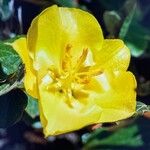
x=93 y=85
x=56 y=28
x=58 y=117
x=30 y=79
x=115 y=93
x=113 y=55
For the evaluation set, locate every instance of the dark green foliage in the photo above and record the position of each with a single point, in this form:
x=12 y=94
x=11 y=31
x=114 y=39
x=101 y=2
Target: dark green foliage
x=12 y=102
x=127 y=23
x=12 y=106
x=128 y=137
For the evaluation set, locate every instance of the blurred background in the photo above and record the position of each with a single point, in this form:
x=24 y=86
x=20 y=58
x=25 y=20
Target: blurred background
x=128 y=20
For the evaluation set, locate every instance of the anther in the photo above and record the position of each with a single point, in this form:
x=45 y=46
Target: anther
x=66 y=60
x=81 y=60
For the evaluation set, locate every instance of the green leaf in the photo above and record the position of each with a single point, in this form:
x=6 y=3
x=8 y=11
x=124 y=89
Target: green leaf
x=12 y=81
x=112 y=22
x=12 y=106
x=120 y=138
x=137 y=39
x=9 y=59
x=5 y=10
x=141 y=108
x=128 y=7
x=135 y=135
x=11 y=69
x=32 y=107
x=4 y=2
x=127 y=22
x=133 y=34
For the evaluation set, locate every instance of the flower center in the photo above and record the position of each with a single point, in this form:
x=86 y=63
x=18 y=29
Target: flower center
x=73 y=77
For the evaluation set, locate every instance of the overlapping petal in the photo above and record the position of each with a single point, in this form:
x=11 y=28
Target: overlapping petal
x=115 y=93
x=113 y=55
x=56 y=28
x=20 y=46
x=58 y=117
x=111 y=97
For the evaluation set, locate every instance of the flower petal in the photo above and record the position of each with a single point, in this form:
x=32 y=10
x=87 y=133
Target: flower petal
x=56 y=28
x=113 y=55
x=115 y=93
x=30 y=79
x=58 y=117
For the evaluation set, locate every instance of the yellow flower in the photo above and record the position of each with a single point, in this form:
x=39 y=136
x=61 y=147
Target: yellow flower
x=78 y=77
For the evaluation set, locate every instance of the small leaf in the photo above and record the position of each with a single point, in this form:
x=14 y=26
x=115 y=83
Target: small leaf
x=4 y=2
x=112 y=22
x=141 y=108
x=12 y=106
x=32 y=107
x=5 y=10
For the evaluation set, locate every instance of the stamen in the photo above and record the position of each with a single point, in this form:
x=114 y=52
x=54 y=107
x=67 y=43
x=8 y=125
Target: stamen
x=52 y=88
x=66 y=60
x=69 y=97
x=68 y=48
x=81 y=60
x=78 y=94
x=91 y=72
x=53 y=72
x=70 y=81
x=83 y=80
